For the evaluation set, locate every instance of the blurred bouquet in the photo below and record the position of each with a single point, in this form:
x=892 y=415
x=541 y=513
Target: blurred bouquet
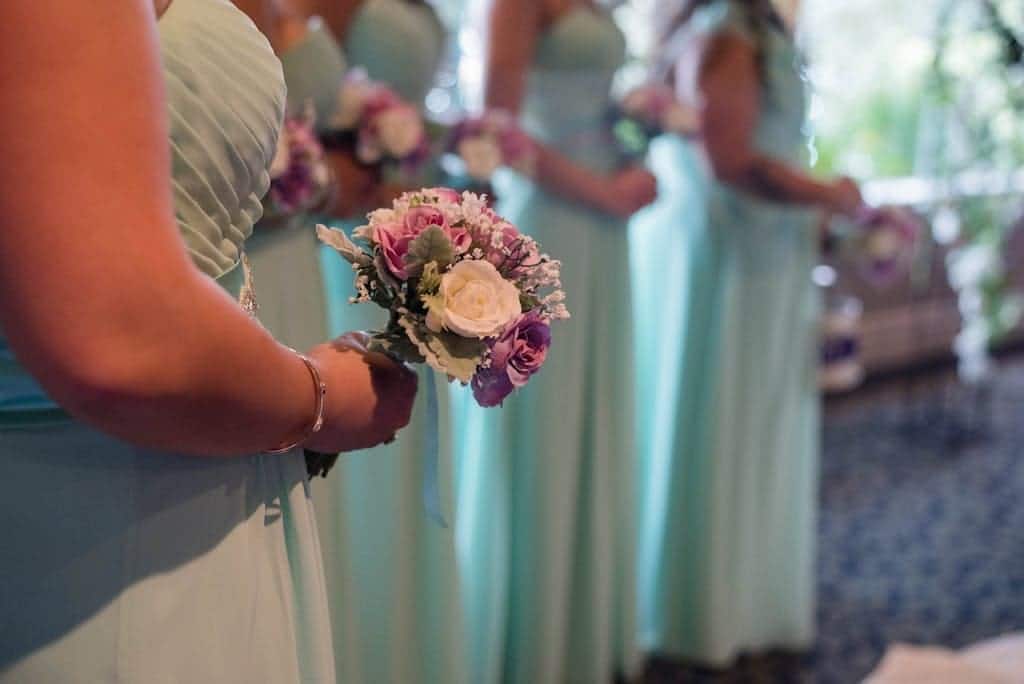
x=299 y=177
x=840 y=366
x=468 y=294
x=883 y=240
x=378 y=124
x=480 y=145
x=647 y=112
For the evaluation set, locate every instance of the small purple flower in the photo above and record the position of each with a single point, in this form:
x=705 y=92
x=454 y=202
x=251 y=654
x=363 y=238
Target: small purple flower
x=297 y=173
x=516 y=355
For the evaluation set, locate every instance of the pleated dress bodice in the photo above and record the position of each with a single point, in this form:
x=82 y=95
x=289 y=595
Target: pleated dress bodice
x=568 y=86
x=225 y=96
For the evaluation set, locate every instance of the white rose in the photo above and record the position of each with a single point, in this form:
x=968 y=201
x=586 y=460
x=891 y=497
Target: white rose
x=400 y=130
x=482 y=157
x=349 y=107
x=474 y=301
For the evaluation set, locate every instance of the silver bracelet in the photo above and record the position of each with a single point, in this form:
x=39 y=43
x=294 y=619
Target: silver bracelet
x=320 y=389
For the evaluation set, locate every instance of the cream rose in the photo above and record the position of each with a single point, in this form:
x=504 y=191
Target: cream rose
x=400 y=130
x=474 y=301
x=482 y=157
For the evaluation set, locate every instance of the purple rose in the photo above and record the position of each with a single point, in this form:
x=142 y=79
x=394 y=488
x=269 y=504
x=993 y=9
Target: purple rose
x=515 y=356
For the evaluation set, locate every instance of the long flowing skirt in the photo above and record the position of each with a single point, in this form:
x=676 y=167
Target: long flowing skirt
x=122 y=564
x=730 y=473
x=392 y=578
x=546 y=524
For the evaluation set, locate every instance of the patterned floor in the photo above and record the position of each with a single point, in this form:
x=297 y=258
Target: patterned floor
x=922 y=531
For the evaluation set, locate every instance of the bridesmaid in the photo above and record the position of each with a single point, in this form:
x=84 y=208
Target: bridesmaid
x=546 y=504
x=730 y=479
x=156 y=513
x=393 y=583
x=284 y=250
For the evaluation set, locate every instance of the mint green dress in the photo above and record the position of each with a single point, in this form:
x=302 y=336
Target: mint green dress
x=123 y=564
x=391 y=575
x=285 y=252
x=546 y=494
x=731 y=454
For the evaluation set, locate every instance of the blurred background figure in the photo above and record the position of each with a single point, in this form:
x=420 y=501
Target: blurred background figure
x=730 y=487
x=391 y=575
x=546 y=502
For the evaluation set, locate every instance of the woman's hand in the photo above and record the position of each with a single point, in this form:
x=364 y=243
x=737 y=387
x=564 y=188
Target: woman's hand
x=844 y=197
x=353 y=374
x=628 y=191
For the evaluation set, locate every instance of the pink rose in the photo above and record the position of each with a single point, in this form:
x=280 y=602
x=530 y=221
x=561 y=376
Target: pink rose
x=394 y=240
x=421 y=218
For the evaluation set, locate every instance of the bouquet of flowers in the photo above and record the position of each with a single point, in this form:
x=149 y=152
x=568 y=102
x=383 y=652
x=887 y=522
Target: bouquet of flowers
x=468 y=294
x=885 y=239
x=647 y=112
x=299 y=177
x=480 y=145
x=379 y=124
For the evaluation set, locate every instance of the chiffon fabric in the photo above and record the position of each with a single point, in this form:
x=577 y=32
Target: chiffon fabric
x=391 y=574
x=285 y=252
x=546 y=495
x=731 y=454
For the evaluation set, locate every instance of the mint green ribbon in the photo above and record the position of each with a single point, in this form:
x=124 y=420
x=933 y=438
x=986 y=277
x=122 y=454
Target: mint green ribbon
x=432 y=455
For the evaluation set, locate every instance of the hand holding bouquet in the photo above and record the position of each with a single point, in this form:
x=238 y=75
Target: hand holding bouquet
x=377 y=123
x=885 y=238
x=483 y=144
x=468 y=294
x=649 y=111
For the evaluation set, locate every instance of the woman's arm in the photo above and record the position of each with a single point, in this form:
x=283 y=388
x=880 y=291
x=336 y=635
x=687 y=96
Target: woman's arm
x=729 y=91
x=513 y=29
x=337 y=14
x=97 y=296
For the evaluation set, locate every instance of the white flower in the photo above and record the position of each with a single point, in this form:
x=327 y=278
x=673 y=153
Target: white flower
x=400 y=130
x=482 y=156
x=474 y=301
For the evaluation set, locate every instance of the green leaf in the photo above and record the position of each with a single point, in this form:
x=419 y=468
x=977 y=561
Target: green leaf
x=396 y=344
x=431 y=245
x=430 y=280
x=339 y=241
x=458 y=356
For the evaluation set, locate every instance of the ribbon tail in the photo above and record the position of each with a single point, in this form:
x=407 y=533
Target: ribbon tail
x=432 y=455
